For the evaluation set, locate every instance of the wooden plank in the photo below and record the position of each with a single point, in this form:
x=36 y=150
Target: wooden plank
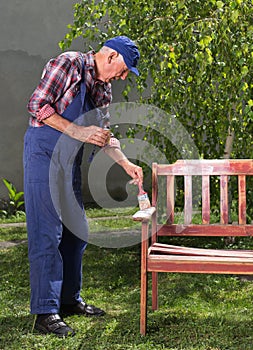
x=154 y=291
x=181 y=250
x=144 y=215
x=205 y=199
x=170 y=199
x=143 y=300
x=205 y=230
x=203 y=259
x=187 y=199
x=242 y=199
x=207 y=167
x=154 y=184
x=193 y=264
x=224 y=199
x=154 y=228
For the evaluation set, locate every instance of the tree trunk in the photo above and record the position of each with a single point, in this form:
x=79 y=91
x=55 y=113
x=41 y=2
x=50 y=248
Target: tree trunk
x=229 y=144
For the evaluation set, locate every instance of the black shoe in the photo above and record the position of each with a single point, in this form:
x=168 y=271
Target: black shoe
x=81 y=309
x=53 y=324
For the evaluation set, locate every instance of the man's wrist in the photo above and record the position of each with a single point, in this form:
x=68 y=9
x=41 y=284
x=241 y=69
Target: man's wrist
x=73 y=131
x=124 y=162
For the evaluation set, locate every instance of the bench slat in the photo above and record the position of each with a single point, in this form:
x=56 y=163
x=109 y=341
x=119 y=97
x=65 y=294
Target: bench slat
x=180 y=250
x=206 y=199
x=207 y=167
x=187 y=199
x=242 y=199
x=205 y=230
x=170 y=199
x=224 y=199
x=194 y=264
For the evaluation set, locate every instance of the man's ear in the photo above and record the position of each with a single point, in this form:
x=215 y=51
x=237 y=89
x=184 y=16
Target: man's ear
x=112 y=56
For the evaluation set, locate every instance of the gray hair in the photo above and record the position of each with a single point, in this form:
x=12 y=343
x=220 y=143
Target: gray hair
x=107 y=50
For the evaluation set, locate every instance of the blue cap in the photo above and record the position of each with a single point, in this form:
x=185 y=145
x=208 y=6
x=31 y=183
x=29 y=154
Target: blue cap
x=128 y=49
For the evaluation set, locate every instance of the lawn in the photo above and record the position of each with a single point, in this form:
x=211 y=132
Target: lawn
x=197 y=312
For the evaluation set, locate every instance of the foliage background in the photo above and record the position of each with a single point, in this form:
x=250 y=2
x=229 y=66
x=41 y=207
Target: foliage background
x=195 y=55
x=195 y=64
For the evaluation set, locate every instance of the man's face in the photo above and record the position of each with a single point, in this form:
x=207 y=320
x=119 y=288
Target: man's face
x=114 y=68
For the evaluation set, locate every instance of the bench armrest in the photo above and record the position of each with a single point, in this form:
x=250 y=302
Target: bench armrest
x=144 y=215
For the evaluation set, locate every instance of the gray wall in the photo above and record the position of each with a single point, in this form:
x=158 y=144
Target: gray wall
x=30 y=32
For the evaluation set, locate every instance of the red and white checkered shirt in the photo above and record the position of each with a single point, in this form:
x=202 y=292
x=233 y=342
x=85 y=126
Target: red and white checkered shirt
x=60 y=83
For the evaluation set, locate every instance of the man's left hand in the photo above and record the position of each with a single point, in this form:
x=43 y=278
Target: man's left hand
x=133 y=170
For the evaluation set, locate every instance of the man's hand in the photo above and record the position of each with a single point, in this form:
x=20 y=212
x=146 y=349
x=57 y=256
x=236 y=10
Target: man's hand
x=132 y=170
x=90 y=134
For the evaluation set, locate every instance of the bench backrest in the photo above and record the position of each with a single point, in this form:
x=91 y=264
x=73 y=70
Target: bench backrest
x=205 y=169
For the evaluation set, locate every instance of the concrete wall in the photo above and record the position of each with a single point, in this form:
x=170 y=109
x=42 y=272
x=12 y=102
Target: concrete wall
x=30 y=32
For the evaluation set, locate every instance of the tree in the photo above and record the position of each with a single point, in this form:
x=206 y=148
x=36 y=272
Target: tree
x=197 y=55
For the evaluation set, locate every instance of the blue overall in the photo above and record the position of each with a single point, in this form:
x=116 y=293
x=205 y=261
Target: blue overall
x=55 y=253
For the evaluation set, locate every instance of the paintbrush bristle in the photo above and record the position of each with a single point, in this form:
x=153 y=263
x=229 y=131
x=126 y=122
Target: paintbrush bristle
x=144 y=202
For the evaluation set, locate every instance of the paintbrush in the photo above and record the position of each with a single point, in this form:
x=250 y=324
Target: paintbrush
x=143 y=199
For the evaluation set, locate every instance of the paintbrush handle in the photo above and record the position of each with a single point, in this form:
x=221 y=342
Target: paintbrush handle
x=141 y=190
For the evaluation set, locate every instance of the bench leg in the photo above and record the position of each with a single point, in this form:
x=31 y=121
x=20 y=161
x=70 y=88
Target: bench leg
x=154 y=291
x=143 y=319
x=144 y=280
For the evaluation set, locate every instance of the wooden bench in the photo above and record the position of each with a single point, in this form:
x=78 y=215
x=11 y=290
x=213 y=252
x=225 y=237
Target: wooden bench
x=157 y=257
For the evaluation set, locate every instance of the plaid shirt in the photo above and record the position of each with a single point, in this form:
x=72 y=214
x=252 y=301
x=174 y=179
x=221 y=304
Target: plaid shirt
x=60 y=83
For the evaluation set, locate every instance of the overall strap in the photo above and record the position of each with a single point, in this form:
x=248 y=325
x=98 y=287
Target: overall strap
x=83 y=85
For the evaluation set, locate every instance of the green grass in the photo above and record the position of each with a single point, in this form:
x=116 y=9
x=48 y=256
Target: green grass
x=112 y=224
x=196 y=312
x=117 y=212
x=100 y=220
x=19 y=217
x=13 y=234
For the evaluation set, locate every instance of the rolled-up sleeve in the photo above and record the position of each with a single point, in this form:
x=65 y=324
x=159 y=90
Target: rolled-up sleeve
x=53 y=84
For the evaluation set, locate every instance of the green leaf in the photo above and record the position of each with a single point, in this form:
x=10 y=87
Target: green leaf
x=10 y=187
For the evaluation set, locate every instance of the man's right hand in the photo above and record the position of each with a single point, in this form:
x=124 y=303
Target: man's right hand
x=92 y=134
x=88 y=134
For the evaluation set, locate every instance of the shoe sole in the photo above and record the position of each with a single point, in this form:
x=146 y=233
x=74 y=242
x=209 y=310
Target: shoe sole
x=66 y=314
x=44 y=331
